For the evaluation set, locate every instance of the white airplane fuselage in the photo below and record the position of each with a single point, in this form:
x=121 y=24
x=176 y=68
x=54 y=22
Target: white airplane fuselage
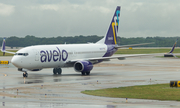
x=80 y=56
x=52 y=56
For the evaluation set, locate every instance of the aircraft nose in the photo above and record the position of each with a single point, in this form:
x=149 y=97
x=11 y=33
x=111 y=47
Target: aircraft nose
x=15 y=61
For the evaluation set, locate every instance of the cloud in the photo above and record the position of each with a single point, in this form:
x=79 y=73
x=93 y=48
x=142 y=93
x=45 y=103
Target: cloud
x=150 y=19
x=46 y=7
x=68 y=6
x=139 y=18
x=6 y=10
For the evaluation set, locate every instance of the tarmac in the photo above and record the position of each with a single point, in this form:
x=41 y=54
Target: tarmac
x=43 y=89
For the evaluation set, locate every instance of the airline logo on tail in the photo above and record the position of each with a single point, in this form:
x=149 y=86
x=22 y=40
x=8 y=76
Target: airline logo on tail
x=115 y=25
x=111 y=36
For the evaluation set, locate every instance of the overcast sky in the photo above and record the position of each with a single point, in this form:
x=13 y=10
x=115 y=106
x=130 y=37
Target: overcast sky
x=52 y=18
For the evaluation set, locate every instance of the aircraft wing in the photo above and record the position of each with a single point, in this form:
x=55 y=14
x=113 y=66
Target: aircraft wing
x=9 y=52
x=107 y=58
x=122 y=46
x=115 y=57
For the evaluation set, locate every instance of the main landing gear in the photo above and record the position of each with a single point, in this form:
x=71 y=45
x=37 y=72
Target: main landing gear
x=87 y=73
x=57 y=71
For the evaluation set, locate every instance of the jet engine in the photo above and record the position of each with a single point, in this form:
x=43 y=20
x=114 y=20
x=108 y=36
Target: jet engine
x=83 y=66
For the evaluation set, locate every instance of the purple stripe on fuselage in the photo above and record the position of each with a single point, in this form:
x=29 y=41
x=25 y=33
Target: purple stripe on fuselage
x=110 y=50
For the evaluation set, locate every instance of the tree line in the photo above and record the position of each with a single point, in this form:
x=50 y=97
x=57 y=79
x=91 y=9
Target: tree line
x=29 y=40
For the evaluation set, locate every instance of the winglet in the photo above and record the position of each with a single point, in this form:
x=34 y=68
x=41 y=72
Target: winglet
x=3 y=49
x=173 y=47
x=3 y=45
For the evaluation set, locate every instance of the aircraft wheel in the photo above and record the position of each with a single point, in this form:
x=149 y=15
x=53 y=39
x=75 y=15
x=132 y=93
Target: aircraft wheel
x=25 y=74
x=83 y=73
x=87 y=73
x=59 y=71
x=55 y=71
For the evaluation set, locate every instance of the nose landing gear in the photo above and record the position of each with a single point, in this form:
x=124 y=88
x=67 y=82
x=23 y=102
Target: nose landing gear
x=25 y=74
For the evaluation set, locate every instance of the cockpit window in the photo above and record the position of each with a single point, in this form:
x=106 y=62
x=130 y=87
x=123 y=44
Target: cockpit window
x=23 y=54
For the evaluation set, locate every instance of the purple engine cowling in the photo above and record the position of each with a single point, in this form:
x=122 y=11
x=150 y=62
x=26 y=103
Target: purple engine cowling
x=83 y=66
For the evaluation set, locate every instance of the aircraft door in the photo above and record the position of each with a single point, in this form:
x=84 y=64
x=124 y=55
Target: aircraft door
x=36 y=55
x=74 y=53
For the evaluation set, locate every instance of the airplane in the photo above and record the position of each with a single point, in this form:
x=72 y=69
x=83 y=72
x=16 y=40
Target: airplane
x=80 y=56
x=170 y=54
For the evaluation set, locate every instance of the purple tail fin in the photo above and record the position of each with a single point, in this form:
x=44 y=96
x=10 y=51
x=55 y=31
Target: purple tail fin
x=173 y=47
x=111 y=36
x=3 y=45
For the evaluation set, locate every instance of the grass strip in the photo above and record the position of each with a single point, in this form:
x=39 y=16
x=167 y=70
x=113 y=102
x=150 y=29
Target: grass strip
x=155 y=92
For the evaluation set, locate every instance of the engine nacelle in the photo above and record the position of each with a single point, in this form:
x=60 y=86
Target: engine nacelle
x=83 y=66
